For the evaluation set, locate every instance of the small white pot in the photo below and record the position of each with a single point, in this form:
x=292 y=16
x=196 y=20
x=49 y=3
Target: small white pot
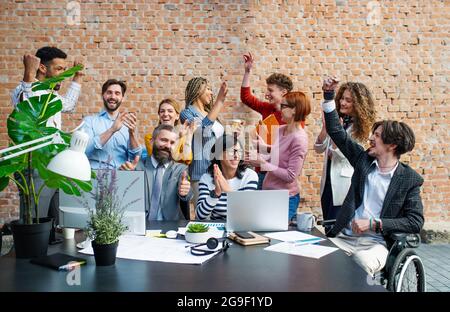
x=197 y=238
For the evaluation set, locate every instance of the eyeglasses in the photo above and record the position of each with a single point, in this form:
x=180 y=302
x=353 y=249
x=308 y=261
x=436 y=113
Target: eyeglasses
x=284 y=105
x=212 y=244
x=234 y=152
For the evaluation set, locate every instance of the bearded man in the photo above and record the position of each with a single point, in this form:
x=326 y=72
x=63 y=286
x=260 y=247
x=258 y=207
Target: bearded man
x=113 y=138
x=161 y=170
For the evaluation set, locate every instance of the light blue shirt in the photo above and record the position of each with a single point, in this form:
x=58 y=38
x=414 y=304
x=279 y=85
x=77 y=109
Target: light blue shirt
x=116 y=151
x=203 y=140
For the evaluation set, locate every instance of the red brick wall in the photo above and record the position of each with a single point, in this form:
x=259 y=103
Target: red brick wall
x=398 y=48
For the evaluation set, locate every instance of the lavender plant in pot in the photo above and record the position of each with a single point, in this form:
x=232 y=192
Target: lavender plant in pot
x=106 y=220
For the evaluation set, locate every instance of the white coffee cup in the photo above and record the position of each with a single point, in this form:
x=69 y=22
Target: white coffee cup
x=68 y=233
x=305 y=221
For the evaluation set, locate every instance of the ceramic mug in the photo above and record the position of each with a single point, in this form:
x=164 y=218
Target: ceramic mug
x=68 y=233
x=305 y=221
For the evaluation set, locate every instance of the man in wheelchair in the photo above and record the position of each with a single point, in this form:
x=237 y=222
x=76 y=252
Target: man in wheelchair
x=384 y=196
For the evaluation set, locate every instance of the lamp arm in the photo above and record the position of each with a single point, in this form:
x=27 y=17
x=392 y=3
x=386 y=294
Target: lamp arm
x=55 y=139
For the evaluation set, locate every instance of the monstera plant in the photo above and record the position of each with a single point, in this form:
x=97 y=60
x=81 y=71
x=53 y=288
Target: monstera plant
x=26 y=123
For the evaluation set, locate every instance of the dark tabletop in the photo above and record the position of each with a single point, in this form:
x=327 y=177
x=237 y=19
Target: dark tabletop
x=240 y=268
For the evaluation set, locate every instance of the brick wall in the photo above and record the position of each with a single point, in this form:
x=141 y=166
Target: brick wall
x=398 y=48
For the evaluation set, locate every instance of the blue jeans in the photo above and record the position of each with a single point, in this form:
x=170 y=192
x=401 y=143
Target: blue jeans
x=293 y=205
x=261 y=176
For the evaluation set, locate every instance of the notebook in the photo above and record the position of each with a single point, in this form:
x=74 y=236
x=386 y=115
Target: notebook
x=59 y=261
x=256 y=240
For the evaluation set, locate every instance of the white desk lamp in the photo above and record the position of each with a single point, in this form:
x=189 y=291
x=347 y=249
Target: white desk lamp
x=71 y=163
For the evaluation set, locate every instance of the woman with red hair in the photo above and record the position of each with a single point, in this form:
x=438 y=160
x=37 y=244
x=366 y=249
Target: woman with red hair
x=285 y=157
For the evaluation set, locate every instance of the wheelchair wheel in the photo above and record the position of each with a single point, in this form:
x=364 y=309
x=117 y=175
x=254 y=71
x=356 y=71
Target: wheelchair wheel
x=407 y=274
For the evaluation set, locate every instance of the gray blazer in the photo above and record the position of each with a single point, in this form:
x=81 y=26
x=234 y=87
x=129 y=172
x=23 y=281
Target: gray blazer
x=402 y=209
x=169 y=200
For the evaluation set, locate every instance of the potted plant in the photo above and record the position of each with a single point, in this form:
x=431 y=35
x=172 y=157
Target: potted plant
x=26 y=123
x=105 y=221
x=197 y=233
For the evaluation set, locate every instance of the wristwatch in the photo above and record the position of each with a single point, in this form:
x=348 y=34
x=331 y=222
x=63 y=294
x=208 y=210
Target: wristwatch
x=377 y=226
x=213 y=194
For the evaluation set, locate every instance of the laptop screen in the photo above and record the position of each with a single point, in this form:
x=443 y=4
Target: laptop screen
x=266 y=210
x=73 y=214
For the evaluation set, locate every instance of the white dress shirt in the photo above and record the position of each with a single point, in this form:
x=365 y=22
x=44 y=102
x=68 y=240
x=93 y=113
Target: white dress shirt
x=69 y=100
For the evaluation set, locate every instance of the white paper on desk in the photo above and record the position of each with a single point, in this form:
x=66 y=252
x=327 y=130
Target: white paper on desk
x=291 y=236
x=309 y=250
x=155 y=249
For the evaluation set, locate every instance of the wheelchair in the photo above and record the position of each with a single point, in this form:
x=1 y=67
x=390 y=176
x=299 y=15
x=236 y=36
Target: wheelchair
x=404 y=270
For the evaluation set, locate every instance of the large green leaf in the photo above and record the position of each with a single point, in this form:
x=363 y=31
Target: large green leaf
x=6 y=170
x=28 y=121
x=4 y=181
x=50 y=83
x=69 y=186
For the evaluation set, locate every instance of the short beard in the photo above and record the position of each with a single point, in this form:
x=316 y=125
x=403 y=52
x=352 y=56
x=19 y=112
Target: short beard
x=162 y=159
x=105 y=103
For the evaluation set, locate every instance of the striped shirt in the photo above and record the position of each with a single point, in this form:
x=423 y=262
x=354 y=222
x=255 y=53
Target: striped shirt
x=202 y=141
x=69 y=100
x=216 y=208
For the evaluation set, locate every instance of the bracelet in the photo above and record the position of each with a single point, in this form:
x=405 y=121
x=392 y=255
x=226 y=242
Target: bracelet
x=370 y=224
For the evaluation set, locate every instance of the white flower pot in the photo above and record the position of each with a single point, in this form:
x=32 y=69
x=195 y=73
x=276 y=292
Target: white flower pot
x=197 y=238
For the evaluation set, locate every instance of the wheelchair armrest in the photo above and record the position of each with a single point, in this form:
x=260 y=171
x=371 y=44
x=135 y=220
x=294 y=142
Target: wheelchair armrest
x=411 y=239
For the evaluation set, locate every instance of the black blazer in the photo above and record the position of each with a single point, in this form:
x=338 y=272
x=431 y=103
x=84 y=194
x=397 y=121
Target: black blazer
x=402 y=209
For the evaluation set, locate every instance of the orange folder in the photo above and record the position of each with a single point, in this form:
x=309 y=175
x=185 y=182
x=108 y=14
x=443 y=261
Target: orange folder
x=265 y=128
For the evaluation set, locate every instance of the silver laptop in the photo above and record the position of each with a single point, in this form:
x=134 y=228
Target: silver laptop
x=73 y=214
x=258 y=210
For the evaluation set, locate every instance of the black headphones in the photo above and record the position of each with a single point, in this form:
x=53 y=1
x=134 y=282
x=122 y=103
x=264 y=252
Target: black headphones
x=211 y=243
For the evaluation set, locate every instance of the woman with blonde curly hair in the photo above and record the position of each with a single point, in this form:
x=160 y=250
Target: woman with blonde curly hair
x=355 y=105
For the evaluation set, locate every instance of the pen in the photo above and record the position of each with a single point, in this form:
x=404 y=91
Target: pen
x=70 y=266
x=305 y=241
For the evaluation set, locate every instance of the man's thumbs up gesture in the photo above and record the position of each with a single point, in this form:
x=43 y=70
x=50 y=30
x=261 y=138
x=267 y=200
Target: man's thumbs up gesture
x=130 y=165
x=184 y=186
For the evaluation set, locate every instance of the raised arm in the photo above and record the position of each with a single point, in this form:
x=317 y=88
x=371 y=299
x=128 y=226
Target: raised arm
x=349 y=148
x=248 y=64
x=219 y=103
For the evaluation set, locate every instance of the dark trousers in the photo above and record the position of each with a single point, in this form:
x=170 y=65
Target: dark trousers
x=329 y=211
x=261 y=176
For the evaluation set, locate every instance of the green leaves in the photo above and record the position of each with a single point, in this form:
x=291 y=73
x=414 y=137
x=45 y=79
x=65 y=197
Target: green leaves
x=12 y=165
x=50 y=83
x=4 y=181
x=105 y=228
x=197 y=228
x=28 y=122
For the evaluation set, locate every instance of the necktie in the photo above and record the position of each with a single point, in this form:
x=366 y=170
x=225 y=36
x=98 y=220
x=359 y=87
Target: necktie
x=156 y=192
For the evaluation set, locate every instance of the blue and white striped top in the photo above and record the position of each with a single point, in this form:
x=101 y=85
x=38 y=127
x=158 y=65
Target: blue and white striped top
x=203 y=140
x=216 y=208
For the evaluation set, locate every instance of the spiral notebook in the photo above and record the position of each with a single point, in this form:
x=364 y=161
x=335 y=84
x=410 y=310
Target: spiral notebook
x=59 y=261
